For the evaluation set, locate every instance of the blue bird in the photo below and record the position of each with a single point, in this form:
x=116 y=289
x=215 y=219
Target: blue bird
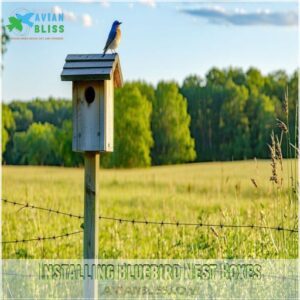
x=26 y=19
x=114 y=37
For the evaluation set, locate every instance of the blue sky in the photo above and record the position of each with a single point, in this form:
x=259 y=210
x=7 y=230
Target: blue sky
x=159 y=41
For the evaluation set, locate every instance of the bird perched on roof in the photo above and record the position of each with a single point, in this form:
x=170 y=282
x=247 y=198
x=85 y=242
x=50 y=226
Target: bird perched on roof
x=114 y=37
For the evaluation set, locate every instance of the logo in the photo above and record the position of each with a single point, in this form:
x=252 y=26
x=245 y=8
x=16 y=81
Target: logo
x=23 y=23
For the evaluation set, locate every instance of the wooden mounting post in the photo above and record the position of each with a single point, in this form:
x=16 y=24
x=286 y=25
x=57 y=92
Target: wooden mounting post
x=91 y=216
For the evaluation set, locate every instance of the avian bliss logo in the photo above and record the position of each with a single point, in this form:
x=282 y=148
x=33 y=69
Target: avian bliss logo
x=22 y=22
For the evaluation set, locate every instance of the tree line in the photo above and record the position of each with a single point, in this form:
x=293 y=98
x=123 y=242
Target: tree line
x=227 y=115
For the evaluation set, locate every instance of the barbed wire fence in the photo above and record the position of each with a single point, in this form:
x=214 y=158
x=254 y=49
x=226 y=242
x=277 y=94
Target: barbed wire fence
x=126 y=220
x=39 y=239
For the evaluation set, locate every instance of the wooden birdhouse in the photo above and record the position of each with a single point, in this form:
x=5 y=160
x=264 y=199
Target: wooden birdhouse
x=94 y=78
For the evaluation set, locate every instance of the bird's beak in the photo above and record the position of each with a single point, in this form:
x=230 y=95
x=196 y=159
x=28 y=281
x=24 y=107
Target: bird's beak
x=120 y=23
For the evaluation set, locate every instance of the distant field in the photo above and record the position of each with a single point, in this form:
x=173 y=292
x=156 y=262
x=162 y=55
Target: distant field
x=206 y=192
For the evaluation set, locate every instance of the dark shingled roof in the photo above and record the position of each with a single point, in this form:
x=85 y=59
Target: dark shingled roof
x=92 y=67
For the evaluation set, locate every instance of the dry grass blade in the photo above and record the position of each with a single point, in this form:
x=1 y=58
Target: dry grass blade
x=296 y=148
x=214 y=232
x=279 y=153
x=272 y=148
x=282 y=126
x=285 y=104
x=254 y=182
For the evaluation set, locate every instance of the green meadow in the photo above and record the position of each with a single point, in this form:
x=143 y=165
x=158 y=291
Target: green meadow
x=237 y=193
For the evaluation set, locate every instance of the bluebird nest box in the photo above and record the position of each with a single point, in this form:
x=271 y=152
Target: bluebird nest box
x=94 y=78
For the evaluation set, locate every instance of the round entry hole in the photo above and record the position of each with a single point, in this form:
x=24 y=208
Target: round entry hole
x=89 y=94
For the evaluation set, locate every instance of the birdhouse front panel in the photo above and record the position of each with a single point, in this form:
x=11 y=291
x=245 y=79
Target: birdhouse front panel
x=92 y=117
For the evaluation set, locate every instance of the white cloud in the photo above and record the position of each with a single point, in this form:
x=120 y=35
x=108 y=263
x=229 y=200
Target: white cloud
x=56 y=10
x=69 y=15
x=240 y=17
x=150 y=3
x=105 y=3
x=240 y=11
x=87 y=20
x=218 y=8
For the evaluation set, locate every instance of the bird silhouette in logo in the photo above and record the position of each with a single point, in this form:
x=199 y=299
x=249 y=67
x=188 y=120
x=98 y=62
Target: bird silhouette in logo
x=14 y=23
x=26 y=19
x=114 y=38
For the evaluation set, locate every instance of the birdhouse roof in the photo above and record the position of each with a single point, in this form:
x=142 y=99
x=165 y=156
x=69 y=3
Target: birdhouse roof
x=92 y=67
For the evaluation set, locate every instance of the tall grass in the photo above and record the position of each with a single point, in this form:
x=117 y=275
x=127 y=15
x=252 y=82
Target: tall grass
x=210 y=193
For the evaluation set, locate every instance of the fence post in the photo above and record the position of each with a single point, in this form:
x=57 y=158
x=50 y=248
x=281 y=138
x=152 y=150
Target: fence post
x=91 y=216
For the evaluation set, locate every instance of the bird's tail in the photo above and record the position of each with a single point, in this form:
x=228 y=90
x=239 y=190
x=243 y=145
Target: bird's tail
x=10 y=27
x=104 y=52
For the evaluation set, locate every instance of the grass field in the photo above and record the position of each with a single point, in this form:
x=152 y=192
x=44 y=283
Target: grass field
x=206 y=192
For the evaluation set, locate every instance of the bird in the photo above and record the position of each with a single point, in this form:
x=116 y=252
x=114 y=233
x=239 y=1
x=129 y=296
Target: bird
x=26 y=18
x=114 y=38
x=15 y=23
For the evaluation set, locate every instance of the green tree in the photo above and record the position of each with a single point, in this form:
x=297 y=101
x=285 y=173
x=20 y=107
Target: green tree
x=293 y=106
x=170 y=126
x=8 y=126
x=146 y=89
x=133 y=138
x=22 y=115
x=234 y=124
x=63 y=146
x=260 y=109
x=199 y=110
x=214 y=97
x=51 y=111
x=276 y=83
x=237 y=75
x=36 y=146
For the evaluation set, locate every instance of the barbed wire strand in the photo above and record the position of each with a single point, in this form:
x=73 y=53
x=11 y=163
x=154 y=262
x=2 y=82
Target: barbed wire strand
x=146 y=222
x=39 y=239
x=30 y=206
x=162 y=223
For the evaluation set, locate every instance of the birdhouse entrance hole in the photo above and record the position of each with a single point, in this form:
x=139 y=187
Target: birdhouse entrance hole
x=89 y=94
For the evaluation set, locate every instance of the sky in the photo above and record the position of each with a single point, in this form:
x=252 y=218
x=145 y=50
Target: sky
x=160 y=41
